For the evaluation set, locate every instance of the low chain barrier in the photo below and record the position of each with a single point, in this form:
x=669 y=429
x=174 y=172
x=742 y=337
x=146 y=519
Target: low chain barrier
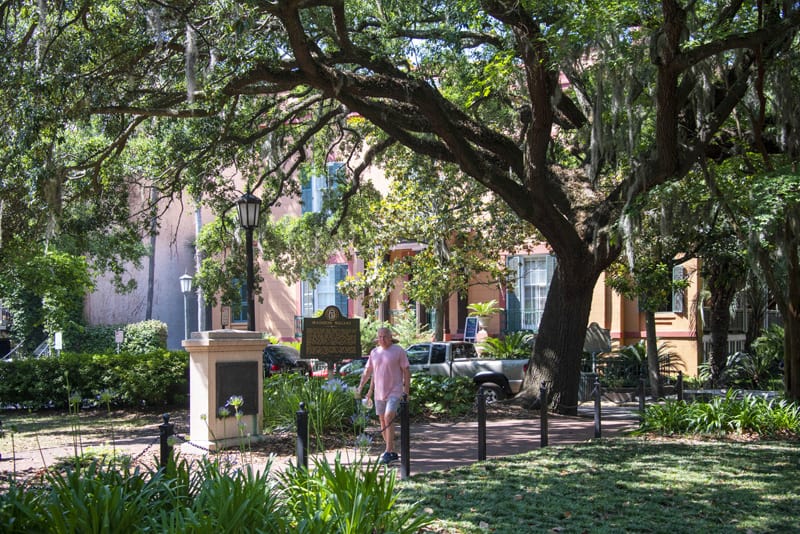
x=167 y=435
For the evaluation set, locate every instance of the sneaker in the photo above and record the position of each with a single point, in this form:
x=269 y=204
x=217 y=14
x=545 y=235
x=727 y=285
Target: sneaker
x=394 y=457
x=385 y=458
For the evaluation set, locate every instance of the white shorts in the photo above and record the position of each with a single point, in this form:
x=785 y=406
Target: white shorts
x=390 y=405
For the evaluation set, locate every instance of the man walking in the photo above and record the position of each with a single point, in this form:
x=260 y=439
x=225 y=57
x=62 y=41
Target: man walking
x=391 y=378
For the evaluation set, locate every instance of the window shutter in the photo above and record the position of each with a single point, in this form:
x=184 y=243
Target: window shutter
x=342 y=302
x=513 y=308
x=551 y=263
x=307 y=197
x=308 y=299
x=678 y=295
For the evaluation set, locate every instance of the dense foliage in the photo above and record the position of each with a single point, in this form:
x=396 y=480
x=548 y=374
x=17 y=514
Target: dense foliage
x=206 y=496
x=138 y=338
x=332 y=407
x=732 y=414
x=132 y=380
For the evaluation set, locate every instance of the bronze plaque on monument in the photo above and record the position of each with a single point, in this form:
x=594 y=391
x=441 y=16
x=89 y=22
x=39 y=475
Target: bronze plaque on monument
x=331 y=337
x=238 y=379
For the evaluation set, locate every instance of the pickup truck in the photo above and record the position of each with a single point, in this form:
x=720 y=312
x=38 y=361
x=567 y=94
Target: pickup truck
x=498 y=378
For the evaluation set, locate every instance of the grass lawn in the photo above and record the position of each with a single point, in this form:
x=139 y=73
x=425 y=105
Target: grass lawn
x=620 y=485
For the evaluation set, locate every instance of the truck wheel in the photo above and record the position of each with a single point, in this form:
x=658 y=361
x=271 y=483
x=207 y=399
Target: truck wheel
x=493 y=393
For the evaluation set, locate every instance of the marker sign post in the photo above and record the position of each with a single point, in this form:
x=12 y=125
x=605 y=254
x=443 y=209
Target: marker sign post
x=331 y=337
x=471 y=329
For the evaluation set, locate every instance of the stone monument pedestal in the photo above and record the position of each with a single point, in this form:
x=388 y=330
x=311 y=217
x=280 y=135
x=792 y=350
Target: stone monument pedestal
x=225 y=364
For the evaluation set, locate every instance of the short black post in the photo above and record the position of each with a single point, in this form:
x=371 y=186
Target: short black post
x=641 y=394
x=679 y=385
x=405 y=438
x=597 y=414
x=543 y=411
x=302 y=436
x=481 y=399
x=165 y=431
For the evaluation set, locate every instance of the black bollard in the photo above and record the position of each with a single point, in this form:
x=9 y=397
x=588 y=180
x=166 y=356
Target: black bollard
x=679 y=385
x=165 y=431
x=641 y=394
x=302 y=436
x=405 y=438
x=481 y=400
x=597 y=414
x=543 y=411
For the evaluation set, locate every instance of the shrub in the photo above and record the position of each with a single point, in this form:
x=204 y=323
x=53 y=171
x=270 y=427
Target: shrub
x=723 y=415
x=515 y=345
x=355 y=498
x=441 y=394
x=139 y=338
x=329 y=403
x=155 y=379
x=624 y=367
x=144 y=337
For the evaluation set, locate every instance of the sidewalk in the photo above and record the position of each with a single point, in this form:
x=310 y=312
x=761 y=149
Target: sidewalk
x=442 y=446
x=434 y=446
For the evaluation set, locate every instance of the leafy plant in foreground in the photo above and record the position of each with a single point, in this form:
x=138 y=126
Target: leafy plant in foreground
x=360 y=498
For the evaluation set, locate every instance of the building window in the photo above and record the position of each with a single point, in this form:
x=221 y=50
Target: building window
x=531 y=277
x=325 y=293
x=317 y=189
x=239 y=311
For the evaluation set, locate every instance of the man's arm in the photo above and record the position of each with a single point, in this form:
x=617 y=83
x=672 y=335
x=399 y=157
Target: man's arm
x=365 y=376
x=407 y=381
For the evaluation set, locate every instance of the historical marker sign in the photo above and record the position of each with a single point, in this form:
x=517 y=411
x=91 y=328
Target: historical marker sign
x=331 y=337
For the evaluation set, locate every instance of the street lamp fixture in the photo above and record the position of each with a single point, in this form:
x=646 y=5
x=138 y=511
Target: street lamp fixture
x=249 y=206
x=186 y=289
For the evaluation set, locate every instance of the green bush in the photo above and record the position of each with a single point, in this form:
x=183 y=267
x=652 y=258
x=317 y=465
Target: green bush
x=156 y=378
x=330 y=404
x=515 y=345
x=206 y=496
x=625 y=366
x=144 y=337
x=441 y=394
x=139 y=338
x=340 y=498
x=723 y=415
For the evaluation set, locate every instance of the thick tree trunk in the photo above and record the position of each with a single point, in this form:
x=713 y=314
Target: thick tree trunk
x=438 y=327
x=719 y=323
x=791 y=316
x=791 y=358
x=653 y=368
x=556 y=359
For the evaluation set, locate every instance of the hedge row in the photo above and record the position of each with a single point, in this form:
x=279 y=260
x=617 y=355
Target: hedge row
x=141 y=337
x=156 y=378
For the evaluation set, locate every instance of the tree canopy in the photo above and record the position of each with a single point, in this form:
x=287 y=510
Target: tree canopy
x=565 y=111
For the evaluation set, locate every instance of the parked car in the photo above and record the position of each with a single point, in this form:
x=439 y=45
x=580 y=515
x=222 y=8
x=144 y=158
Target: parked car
x=354 y=366
x=499 y=378
x=282 y=358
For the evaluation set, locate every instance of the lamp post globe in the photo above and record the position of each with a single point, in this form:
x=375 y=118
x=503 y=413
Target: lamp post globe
x=186 y=289
x=249 y=207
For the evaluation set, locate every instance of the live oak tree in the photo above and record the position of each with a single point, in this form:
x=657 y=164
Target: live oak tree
x=566 y=112
x=462 y=230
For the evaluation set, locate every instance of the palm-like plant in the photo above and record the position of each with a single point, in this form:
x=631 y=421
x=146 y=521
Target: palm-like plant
x=513 y=345
x=483 y=310
x=629 y=363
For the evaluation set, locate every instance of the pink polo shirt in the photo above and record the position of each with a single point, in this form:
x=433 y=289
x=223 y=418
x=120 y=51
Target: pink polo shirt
x=387 y=371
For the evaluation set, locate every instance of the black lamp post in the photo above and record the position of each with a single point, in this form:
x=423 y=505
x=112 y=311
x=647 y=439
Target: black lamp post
x=249 y=206
x=186 y=288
